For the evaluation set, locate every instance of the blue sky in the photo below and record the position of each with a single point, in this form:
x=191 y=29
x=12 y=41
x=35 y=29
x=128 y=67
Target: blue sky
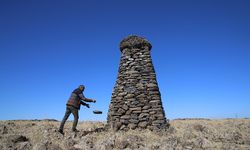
x=201 y=54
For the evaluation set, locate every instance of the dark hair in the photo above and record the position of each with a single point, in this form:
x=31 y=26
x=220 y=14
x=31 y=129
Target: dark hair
x=82 y=86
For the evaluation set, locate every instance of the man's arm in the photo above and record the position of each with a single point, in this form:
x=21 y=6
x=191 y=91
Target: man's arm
x=85 y=104
x=86 y=99
x=89 y=100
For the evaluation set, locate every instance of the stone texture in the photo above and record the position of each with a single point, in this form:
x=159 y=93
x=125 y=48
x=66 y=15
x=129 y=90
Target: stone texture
x=136 y=99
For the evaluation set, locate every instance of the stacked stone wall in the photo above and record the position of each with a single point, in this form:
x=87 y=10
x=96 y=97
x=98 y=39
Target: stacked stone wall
x=136 y=99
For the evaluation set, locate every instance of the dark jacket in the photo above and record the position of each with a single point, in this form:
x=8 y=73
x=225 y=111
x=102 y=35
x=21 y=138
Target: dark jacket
x=76 y=98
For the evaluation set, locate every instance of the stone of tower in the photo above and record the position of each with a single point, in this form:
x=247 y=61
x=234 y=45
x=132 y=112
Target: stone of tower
x=136 y=99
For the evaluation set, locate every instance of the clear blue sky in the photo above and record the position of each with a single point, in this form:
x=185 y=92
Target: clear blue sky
x=201 y=54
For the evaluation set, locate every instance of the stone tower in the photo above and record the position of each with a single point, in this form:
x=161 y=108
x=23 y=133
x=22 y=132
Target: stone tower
x=136 y=99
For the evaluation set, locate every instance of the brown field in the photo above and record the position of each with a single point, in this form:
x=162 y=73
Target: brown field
x=197 y=134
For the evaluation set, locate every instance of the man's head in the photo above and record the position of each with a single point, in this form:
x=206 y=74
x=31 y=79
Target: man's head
x=81 y=87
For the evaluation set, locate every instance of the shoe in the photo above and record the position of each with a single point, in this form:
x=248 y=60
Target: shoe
x=75 y=130
x=61 y=131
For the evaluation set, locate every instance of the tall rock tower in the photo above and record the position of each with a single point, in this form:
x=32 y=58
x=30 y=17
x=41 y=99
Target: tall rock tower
x=136 y=99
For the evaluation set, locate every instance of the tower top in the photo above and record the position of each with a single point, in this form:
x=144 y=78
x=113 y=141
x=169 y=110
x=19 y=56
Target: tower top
x=134 y=41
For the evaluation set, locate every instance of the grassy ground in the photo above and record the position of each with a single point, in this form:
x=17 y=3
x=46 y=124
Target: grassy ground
x=183 y=134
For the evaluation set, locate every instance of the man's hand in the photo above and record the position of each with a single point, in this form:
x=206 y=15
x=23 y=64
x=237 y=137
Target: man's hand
x=93 y=100
x=87 y=105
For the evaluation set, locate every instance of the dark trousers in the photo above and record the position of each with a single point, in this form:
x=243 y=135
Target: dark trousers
x=69 y=110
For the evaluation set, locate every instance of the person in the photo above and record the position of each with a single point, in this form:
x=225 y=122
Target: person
x=73 y=105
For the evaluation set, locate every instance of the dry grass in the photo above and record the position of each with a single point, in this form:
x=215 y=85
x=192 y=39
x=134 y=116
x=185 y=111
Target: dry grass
x=183 y=134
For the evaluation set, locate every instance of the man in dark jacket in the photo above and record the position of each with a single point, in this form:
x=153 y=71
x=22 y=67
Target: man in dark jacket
x=73 y=105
